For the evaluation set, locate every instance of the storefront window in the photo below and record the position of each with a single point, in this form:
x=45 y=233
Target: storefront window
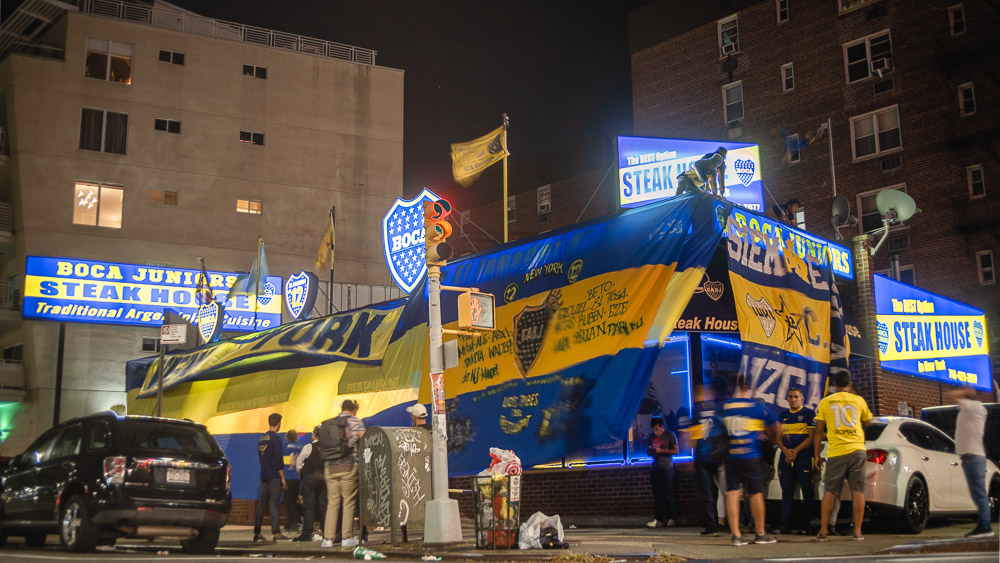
x=668 y=395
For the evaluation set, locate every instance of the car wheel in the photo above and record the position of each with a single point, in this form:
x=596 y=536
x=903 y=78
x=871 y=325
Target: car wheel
x=995 y=500
x=34 y=539
x=204 y=544
x=77 y=533
x=916 y=507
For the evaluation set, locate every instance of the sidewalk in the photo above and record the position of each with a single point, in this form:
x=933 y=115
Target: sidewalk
x=624 y=543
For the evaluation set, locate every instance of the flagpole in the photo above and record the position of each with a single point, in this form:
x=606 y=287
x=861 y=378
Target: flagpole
x=506 y=122
x=833 y=169
x=256 y=291
x=329 y=309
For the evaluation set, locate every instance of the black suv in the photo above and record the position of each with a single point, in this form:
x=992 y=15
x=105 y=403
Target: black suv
x=96 y=478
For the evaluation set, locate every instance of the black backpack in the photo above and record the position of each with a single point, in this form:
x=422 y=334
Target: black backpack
x=333 y=439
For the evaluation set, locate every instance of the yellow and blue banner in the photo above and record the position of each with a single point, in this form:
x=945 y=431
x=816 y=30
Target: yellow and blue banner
x=931 y=337
x=471 y=158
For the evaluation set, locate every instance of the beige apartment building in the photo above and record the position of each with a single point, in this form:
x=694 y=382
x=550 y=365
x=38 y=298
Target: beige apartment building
x=150 y=135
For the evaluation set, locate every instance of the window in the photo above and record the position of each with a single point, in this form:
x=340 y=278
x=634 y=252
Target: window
x=787 y=77
x=977 y=185
x=511 y=209
x=732 y=97
x=905 y=274
x=866 y=56
x=68 y=443
x=544 y=194
x=729 y=36
x=846 y=5
x=171 y=57
x=987 y=273
x=782 y=6
x=13 y=296
x=150 y=344
x=98 y=205
x=109 y=60
x=98 y=435
x=103 y=131
x=255 y=71
x=14 y=353
x=967 y=99
x=252 y=138
x=251 y=206
x=163 y=196
x=876 y=132
x=956 y=19
x=800 y=218
x=792 y=148
x=871 y=219
x=168 y=125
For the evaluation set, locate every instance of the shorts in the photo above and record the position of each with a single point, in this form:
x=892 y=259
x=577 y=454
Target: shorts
x=851 y=466
x=746 y=471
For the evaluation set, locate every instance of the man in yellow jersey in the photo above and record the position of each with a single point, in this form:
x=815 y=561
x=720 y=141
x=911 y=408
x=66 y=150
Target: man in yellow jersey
x=842 y=416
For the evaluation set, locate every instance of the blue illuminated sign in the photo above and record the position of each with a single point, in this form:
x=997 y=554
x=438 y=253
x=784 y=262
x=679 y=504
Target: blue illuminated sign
x=929 y=336
x=85 y=291
x=403 y=240
x=648 y=169
x=300 y=294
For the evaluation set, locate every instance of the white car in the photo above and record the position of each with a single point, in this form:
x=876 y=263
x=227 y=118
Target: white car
x=912 y=474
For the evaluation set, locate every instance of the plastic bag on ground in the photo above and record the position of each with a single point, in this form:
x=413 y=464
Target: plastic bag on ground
x=530 y=533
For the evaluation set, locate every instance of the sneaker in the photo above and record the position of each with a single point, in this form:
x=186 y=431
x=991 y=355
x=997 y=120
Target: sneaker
x=278 y=537
x=737 y=541
x=301 y=538
x=670 y=523
x=258 y=538
x=765 y=538
x=821 y=537
x=710 y=532
x=349 y=542
x=857 y=537
x=832 y=531
x=654 y=523
x=980 y=532
x=317 y=537
x=326 y=543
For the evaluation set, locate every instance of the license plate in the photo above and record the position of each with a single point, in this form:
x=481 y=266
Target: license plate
x=178 y=475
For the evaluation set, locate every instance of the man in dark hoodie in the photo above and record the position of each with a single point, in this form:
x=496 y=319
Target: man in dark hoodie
x=272 y=477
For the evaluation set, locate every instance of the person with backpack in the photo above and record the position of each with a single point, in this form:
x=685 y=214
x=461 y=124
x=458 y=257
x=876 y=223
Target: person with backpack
x=272 y=477
x=707 y=435
x=338 y=440
x=309 y=464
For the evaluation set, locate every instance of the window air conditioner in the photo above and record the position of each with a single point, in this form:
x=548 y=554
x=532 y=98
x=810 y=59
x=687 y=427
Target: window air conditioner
x=728 y=48
x=734 y=124
x=880 y=65
x=544 y=208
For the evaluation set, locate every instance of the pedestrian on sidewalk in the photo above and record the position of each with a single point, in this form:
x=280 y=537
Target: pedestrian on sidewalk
x=706 y=434
x=969 y=428
x=309 y=464
x=796 y=468
x=841 y=417
x=338 y=438
x=662 y=446
x=272 y=478
x=291 y=451
x=418 y=416
x=745 y=420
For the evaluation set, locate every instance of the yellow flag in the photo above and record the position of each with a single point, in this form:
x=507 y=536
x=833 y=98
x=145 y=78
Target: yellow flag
x=326 y=244
x=468 y=160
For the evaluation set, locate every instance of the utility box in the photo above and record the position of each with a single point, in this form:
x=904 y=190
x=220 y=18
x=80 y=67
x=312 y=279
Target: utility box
x=394 y=477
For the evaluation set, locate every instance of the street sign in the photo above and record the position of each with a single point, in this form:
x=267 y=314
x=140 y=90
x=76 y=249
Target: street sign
x=475 y=311
x=173 y=334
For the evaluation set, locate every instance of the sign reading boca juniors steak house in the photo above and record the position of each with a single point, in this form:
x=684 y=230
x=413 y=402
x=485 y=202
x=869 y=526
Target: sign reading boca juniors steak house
x=648 y=169
x=86 y=291
x=929 y=336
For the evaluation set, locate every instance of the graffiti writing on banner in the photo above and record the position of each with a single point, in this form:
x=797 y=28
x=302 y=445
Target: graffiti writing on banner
x=480 y=354
x=603 y=312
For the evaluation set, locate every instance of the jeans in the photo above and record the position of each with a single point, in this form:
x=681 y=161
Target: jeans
x=292 y=503
x=662 y=480
x=706 y=486
x=799 y=473
x=341 y=484
x=313 y=502
x=975 y=475
x=270 y=493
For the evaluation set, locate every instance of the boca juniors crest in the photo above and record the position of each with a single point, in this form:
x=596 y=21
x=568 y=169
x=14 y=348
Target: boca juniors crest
x=300 y=294
x=530 y=327
x=403 y=240
x=209 y=321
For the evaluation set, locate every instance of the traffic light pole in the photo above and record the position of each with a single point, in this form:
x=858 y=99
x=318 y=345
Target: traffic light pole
x=441 y=520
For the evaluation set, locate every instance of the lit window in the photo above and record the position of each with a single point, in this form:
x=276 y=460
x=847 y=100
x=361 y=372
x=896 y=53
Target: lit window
x=109 y=60
x=782 y=6
x=867 y=56
x=254 y=71
x=168 y=125
x=251 y=138
x=876 y=132
x=544 y=195
x=787 y=77
x=171 y=57
x=967 y=99
x=103 y=131
x=792 y=148
x=956 y=19
x=163 y=196
x=977 y=183
x=98 y=204
x=732 y=97
x=871 y=218
x=150 y=344
x=987 y=273
x=729 y=35
x=511 y=209
x=251 y=206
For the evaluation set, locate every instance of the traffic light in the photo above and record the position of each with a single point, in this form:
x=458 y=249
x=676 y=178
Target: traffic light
x=436 y=230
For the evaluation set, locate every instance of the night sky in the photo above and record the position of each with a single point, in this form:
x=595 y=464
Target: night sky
x=559 y=69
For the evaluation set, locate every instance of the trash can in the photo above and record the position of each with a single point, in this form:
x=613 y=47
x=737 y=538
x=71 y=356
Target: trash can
x=496 y=502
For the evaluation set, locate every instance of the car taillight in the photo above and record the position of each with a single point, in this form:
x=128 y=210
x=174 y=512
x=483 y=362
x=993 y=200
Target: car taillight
x=877 y=456
x=114 y=470
x=229 y=477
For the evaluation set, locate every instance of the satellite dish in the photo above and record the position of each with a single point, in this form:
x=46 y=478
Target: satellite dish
x=895 y=207
x=840 y=214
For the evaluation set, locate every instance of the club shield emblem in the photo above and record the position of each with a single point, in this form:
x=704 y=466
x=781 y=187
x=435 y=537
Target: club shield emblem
x=267 y=293
x=209 y=321
x=713 y=289
x=403 y=240
x=300 y=294
x=977 y=330
x=744 y=170
x=531 y=325
x=765 y=314
x=883 y=336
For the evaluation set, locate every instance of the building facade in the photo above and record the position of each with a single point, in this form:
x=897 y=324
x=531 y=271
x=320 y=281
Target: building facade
x=153 y=136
